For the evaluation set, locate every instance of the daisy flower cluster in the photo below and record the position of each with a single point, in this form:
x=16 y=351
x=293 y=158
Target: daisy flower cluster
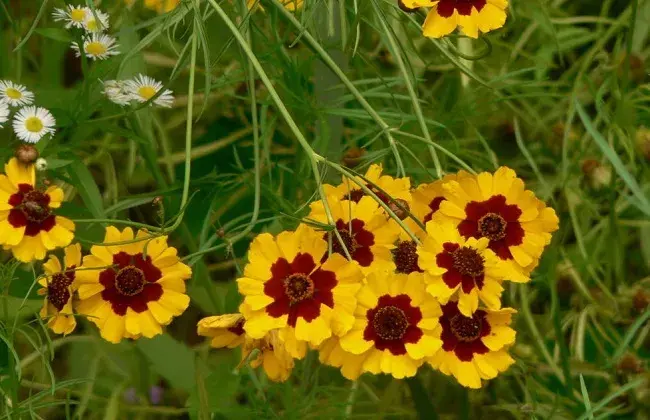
x=95 y=43
x=30 y=123
x=370 y=298
x=471 y=16
x=140 y=89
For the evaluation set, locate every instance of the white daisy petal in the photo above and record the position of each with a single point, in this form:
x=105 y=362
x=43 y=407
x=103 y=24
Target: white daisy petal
x=117 y=92
x=97 y=22
x=32 y=123
x=98 y=46
x=73 y=16
x=14 y=94
x=4 y=112
x=143 y=88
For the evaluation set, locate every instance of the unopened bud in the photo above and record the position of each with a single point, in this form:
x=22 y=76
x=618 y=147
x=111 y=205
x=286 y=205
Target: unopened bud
x=157 y=201
x=641 y=300
x=643 y=141
x=41 y=164
x=400 y=208
x=630 y=364
x=27 y=154
x=353 y=157
x=597 y=174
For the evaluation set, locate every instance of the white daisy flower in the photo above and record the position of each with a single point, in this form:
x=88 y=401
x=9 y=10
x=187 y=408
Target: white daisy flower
x=32 y=123
x=98 y=46
x=117 y=92
x=96 y=24
x=14 y=94
x=4 y=112
x=143 y=88
x=73 y=16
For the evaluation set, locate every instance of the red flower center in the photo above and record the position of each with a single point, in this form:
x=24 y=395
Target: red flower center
x=298 y=289
x=393 y=323
x=31 y=209
x=495 y=220
x=492 y=226
x=58 y=292
x=464 y=266
x=357 y=240
x=462 y=334
x=238 y=328
x=405 y=257
x=131 y=283
x=390 y=323
x=434 y=205
x=446 y=8
x=468 y=262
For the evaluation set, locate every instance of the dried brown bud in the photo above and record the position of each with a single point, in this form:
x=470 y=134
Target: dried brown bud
x=400 y=208
x=597 y=174
x=641 y=300
x=402 y=6
x=643 y=141
x=157 y=201
x=27 y=154
x=637 y=67
x=221 y=233
x=630 y=364
x=353 y=157
x=46 y=182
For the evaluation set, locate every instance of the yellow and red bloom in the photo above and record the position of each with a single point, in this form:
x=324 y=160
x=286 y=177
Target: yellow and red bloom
x=367 y=233
x=29 y=226
x=393 y=188
x=228 y=331
x=58 y=287
x=471 y=16
x=498 y=207
x=474 y=348
x=395 y=330
x=290 y=284
x=133 y=288
x=461 y=267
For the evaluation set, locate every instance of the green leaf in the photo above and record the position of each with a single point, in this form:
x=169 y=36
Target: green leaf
x=56 y=34
x=172 y=360
x=219 y=388
x=83 y=180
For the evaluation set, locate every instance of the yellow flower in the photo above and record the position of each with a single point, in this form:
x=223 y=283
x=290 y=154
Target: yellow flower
x=461 y=267
x=393 y=187
x=474 y=348
x=498 y=207
x=131 y=290
x=395 y=330
x=29 y=226
x=291 y=5
x=58 y=288
x=471 y=16
x=228 y=331
x=288 y=285
x=366 y=231
x=161 y=6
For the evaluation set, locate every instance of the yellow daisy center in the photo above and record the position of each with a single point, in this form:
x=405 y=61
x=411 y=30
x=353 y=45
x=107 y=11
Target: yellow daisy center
x=298 y=287
x=390 y=323
x=95 y=48
x=33 y=124
x=130 y=281
x=77 y=15
x=13 y=93
x=147 y=92
x=92 y=25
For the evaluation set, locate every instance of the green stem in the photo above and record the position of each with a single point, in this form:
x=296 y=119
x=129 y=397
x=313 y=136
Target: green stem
x=423 y=405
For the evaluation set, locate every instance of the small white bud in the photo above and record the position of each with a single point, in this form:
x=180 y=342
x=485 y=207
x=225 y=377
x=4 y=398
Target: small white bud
x=41 y=164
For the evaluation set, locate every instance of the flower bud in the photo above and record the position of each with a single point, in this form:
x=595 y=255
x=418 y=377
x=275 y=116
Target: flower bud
x=630 y=364
x=643 y=141
x=353 y=157
x=41 y=164
x=596 y=174
x=400 y=208
x=26 y=153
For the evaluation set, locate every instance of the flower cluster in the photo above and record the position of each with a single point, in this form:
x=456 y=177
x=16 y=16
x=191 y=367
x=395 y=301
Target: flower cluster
x=96 y=44
x=140 y=90
x=471 y=16
x=371 y=297
x=30 y=123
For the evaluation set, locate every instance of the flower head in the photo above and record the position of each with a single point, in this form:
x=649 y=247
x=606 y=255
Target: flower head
x=134 y=288
x=475 y=347
x=58 y=288
x=290 y=286
x=228 y=331
x=498 y=207
x=14 y=94
x=117 y=92
x=97 y=46
x=464 y=267
x=143 y=88
x=96 y=22
x=4 y=112
x=395 y=330
x=161 y=6
x=471 y=16
x=32 y=123
x=367 y=233
x=73 y=16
